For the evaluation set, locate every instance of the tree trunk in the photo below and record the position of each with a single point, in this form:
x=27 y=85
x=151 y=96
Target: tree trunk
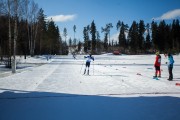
x=9 y=22
x=15 y=38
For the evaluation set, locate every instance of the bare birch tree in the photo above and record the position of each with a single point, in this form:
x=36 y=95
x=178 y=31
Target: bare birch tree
x=33 y=26
x=9 y=24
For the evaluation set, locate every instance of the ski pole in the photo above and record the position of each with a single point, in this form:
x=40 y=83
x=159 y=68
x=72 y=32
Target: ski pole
x=93 y=67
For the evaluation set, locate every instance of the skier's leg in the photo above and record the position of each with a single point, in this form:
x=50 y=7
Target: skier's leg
x=171 y=75
x=88 y=67
x=85 y=70
x=88 y=71
x=155 y=72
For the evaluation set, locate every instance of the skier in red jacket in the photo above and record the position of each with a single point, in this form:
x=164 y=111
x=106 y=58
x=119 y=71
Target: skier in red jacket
x=157 y=65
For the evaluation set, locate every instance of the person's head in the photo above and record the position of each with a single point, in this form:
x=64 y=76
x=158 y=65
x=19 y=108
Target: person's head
x=157 y=53
x=90 y=55
x=169 y=54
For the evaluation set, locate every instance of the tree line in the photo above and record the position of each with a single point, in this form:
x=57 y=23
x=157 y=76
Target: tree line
x=24 y=30
x=139 y=38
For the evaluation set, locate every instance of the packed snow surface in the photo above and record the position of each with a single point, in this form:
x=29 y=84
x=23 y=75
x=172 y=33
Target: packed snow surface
x=118 y=88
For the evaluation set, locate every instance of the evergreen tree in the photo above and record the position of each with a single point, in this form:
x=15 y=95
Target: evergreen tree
x=42 y=32
x=22 y=38
x=133 y=37
x=57 y=42
x=88 y=39
x=178 y=35
x=85 y=34
x=148 y=39
x=93 y=33
x=141 y=31
x=123 y=43
x=4 y=39
x=53 y=41
x=154 y=28
x=175 y=34
x=161 y=36
x=122 y=38
x=168 y=41
x=50 y=33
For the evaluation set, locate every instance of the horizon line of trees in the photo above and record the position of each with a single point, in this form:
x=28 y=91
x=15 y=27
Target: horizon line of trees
x=24 y=30
x=136 y=39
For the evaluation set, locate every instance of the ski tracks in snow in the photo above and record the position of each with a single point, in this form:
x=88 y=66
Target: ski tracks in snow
x=28 y=80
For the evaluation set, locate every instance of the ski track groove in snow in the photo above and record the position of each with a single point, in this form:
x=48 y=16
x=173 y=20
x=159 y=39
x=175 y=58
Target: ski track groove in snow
x=30 y=83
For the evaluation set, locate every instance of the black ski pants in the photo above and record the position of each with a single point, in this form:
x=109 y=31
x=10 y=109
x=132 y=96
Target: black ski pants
x=170 y=73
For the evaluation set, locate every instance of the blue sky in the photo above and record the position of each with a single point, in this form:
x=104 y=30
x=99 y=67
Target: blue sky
x=67 y=13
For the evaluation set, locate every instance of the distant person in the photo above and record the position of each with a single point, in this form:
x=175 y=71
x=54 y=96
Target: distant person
x=170 y=66
x=157 y=65
x=165 y=55
x=88 y=62
x=74 y=55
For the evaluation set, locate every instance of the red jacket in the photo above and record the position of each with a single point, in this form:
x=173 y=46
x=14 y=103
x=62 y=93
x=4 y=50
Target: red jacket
x=157 y=61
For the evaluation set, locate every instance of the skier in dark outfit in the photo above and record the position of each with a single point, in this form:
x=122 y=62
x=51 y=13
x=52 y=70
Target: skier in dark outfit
x=88 y=62
x=170 y=66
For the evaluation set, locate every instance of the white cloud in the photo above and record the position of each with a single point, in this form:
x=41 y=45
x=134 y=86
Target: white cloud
x=62 y=18
x=169 y=15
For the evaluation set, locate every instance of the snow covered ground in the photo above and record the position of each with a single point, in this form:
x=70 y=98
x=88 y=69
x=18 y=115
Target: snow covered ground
x=118 y=88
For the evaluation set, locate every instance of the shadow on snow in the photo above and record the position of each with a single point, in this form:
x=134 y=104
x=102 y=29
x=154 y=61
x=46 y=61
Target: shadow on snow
x=28 y=105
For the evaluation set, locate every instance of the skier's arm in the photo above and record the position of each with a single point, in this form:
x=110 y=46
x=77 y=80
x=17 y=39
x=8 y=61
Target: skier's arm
x=92 y=58
x=171 y=60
